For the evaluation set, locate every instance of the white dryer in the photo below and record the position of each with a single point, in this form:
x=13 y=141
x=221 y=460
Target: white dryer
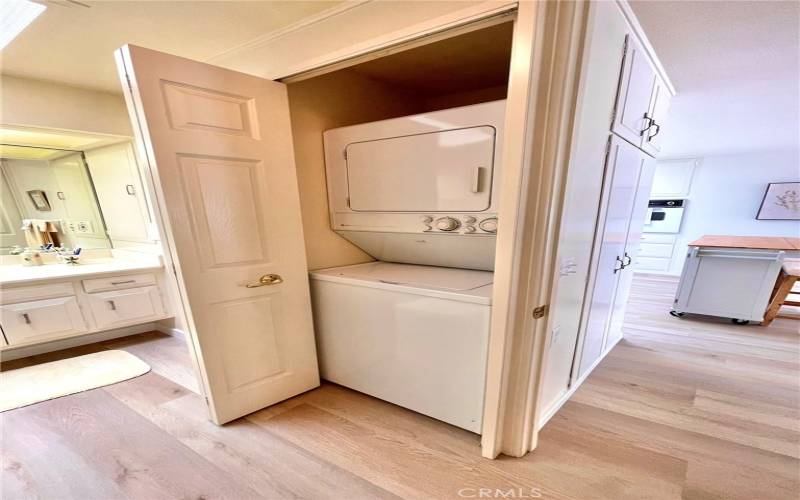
x=413 y=335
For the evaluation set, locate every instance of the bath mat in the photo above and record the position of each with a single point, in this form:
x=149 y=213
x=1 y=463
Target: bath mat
x=37 y=383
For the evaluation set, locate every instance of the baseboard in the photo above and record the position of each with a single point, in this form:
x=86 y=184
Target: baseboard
x=171 y=331
x=548 y=414
x=9 y=353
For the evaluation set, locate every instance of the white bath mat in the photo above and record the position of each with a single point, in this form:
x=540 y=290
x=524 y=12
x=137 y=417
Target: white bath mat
x=37 y=383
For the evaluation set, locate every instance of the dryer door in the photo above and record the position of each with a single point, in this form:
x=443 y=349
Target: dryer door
x=447 y=171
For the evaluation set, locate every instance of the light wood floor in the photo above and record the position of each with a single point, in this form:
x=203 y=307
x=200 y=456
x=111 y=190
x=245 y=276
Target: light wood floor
x=682 y=408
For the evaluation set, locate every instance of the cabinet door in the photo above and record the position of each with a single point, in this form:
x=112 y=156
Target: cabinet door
x=120 y=192
x=659 y=110
x=673 y=178
x=121 y=307
x=636 y=223
x=40 y=320
x=619 y=190
x=634 y=95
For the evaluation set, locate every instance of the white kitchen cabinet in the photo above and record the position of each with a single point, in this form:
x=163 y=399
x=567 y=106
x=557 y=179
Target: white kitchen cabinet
x=123 y=307
x=659 y=109
x=673 y=178
x=634 y=97
x=655 y=252
x=41 y=320
x=632 y=243
x=628 y=174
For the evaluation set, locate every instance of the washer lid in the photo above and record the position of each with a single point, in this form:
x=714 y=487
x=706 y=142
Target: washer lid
x=414 y=278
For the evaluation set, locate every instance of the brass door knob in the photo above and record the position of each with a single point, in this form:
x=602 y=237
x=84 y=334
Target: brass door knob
x=267 y=279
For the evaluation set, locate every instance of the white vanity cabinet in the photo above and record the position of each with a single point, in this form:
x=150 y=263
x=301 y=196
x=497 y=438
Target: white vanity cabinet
x=119 y=308
x=36 y=313
x=42 y=320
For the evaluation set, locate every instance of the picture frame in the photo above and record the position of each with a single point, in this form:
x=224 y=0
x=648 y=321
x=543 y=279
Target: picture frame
x=781 y=201
x=39 y=200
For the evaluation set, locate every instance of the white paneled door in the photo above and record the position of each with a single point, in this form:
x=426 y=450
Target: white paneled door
x=219 y=147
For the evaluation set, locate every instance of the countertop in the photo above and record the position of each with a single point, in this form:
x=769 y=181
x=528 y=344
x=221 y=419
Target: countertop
x=753 y=242
x=23 y=275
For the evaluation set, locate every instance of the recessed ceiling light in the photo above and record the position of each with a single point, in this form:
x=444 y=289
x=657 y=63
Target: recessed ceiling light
x=15 y=16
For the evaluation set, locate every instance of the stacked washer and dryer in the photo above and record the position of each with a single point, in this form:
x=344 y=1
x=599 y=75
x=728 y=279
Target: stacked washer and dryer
x=420 y=195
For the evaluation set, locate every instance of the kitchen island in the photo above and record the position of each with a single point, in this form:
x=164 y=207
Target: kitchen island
x=732 y=276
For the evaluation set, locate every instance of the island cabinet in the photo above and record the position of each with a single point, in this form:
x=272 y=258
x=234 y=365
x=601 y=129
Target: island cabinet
x=731 y=276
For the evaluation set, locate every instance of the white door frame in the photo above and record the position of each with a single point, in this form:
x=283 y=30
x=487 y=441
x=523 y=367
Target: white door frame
x=542 y=89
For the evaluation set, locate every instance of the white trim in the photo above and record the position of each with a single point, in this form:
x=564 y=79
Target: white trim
x=627 y=11
x=305 y=22
x=8 y=353
x=171 y=331
x=384 y=45
x=553 y=409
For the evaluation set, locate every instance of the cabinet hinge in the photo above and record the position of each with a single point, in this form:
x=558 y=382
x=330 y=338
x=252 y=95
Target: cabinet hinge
x=608 y=152
x=539 y=312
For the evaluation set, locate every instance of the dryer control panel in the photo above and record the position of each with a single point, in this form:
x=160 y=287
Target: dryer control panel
x=460 y=223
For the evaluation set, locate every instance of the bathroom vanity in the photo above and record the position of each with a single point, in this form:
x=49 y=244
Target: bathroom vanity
x=41 y=304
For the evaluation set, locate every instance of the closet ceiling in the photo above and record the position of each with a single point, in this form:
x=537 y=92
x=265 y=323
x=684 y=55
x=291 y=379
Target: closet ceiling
x=73 y=42
x=471 y=61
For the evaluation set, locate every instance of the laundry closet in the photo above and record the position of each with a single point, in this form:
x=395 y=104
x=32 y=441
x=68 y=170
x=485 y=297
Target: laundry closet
x=398 y=168
x=407 y=156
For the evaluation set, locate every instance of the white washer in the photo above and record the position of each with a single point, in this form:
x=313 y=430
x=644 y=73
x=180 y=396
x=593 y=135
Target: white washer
x=413 y=335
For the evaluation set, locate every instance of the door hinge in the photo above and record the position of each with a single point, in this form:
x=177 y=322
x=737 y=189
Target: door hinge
x=608 y=152
x=539 y=312
x=344 y=154
x=174 y=270
x=348 y=201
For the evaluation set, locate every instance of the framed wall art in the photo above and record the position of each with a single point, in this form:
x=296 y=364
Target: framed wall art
x=781 y=202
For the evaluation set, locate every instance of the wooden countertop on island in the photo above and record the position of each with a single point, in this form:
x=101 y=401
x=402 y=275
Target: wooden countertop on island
x=754 y=242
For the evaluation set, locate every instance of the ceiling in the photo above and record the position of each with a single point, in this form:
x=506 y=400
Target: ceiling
x=736 y=68
x=74 y=44
x=474 y=60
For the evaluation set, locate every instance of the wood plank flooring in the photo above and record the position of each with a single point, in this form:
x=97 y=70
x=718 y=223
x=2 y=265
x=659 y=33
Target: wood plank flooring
x=682 y=408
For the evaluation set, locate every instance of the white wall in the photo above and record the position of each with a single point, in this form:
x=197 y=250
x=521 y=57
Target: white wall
x=36 y=103
x=725 y=195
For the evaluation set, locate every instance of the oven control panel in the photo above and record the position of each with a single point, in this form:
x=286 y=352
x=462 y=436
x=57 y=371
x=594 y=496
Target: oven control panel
x=461 y=224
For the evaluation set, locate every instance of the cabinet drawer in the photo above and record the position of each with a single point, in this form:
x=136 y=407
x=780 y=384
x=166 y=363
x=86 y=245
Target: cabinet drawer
x=658 y=238
x=121 y=307
x=655 y=250
x=29 y=322
x=118 y=282
x=11 y=295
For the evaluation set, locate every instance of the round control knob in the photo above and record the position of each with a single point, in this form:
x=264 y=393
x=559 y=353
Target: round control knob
x=489 y=225
x=470 y=220
x=447 y=224
x=427 y=219
x=469 y=229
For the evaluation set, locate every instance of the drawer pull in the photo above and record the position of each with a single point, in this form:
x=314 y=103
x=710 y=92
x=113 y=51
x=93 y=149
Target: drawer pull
x=26 y=318
x=113 y=305
x=123 y=282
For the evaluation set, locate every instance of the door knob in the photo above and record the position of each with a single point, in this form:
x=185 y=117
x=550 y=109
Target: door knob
x=267 y=279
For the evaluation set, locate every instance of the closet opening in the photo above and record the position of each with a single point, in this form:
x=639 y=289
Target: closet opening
x=398 y=167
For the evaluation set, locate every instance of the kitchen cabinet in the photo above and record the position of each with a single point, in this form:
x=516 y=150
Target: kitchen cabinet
x=634 y=95
x=626 y=190
x=658 y=111
x=673 y=178
x=655 y=252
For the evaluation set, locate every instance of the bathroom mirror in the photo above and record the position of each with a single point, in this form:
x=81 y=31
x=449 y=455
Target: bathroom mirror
x=48 y=197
